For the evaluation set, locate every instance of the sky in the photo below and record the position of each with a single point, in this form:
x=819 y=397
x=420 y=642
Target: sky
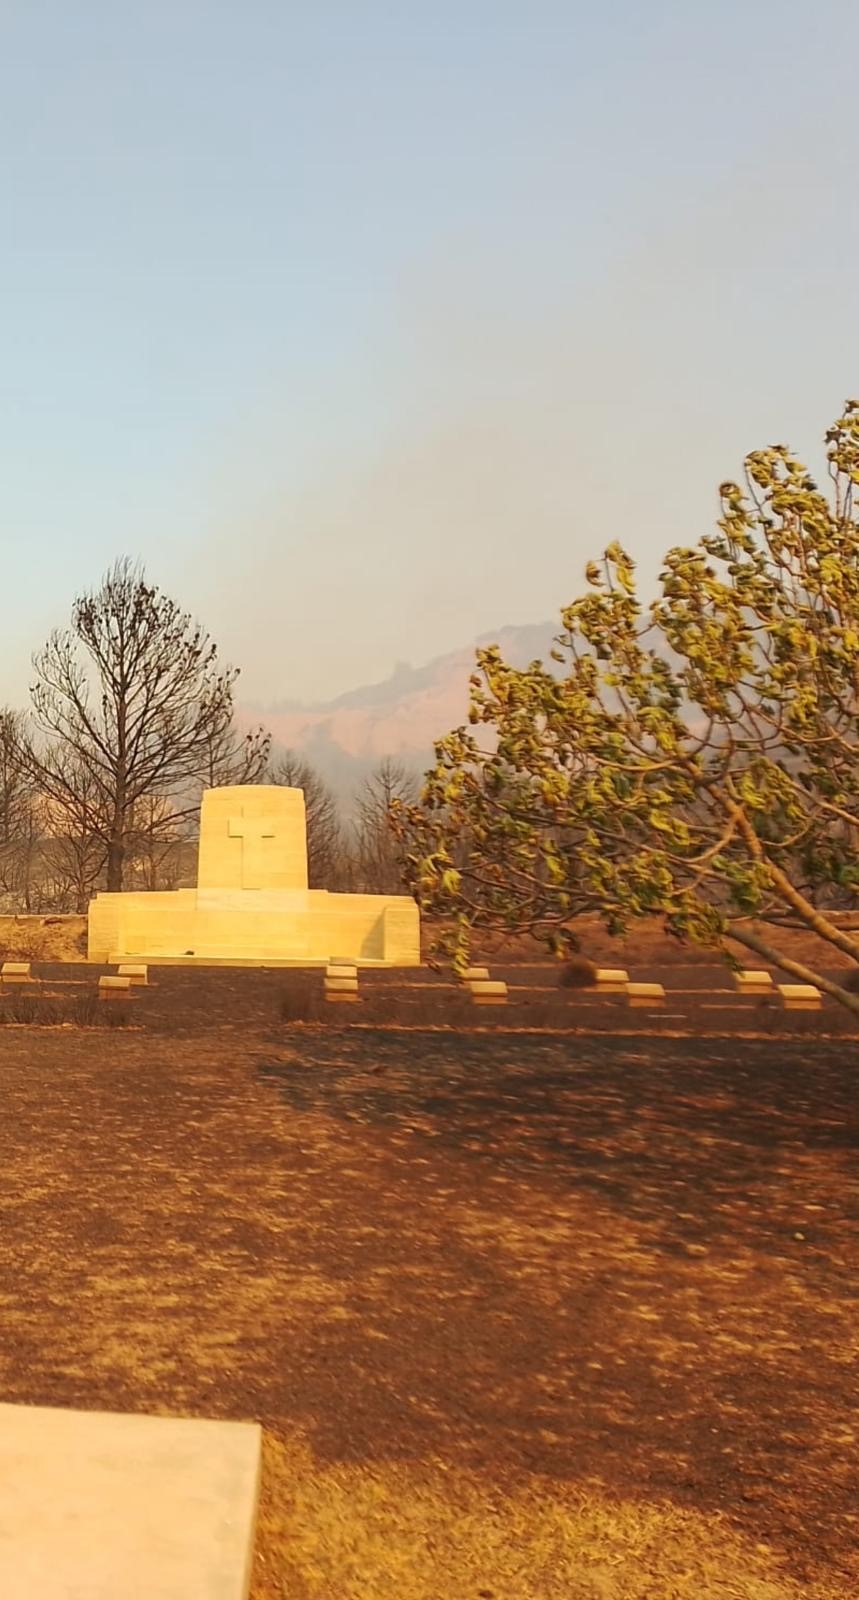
x=365 y=325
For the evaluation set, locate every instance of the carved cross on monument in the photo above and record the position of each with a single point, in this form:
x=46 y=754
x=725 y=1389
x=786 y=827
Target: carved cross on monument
x=253 y=837
x=252 y=831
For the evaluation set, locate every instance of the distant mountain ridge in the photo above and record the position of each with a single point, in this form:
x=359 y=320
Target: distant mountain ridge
x=401 y=716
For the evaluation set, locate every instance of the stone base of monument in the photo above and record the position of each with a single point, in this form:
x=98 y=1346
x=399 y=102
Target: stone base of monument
x=98 y=1506
x=268 y=963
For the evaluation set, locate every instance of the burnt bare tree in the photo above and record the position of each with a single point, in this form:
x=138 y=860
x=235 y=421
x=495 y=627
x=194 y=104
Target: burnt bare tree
x=379 y=856
x=75 y=851
x=325 y=847
x=130 y=702
x=15 y=781
x=19 y=830
x=160 y=845
x=232 y=756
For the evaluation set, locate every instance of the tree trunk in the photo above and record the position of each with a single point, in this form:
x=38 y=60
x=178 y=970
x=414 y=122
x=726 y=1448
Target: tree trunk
x=794 y=969
x=115 y=864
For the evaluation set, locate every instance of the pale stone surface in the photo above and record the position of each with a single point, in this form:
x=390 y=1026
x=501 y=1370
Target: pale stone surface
x=475 y=975
x=341 y=985
x=114 y=988
x=253 y=836
x=16 y=972
x=612 y=975
x=252 y=903
x=749 y=980
x=97 y=1506
x=137 y=975
x=486 y=993
x=800 y=996
x=645 y=994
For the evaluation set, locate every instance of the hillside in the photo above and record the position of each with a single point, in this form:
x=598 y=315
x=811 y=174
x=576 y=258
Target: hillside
x=346 y=737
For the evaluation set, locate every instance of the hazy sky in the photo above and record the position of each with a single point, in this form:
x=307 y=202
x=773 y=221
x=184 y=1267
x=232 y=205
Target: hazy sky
x=364 y=325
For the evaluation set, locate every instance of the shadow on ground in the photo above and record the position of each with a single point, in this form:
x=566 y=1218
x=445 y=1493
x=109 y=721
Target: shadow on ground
x=610 y=1262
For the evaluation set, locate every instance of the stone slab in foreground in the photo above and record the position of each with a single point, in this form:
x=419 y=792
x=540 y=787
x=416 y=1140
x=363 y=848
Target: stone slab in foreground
x=97 y=1506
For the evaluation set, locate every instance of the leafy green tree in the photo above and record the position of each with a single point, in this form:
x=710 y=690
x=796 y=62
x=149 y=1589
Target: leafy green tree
x=696 y=758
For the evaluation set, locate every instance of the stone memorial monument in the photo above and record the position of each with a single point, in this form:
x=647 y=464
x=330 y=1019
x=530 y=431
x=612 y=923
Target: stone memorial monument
x=252 y=903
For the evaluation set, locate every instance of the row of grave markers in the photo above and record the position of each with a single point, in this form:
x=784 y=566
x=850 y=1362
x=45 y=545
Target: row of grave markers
x=341 y=984
x=116 y=986
x=614 y=980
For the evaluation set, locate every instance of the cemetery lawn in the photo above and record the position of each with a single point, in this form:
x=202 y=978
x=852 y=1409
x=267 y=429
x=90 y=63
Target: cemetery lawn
x=523 y=1317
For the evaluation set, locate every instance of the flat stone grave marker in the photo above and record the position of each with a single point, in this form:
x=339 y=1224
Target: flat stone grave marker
x=16 y=972
x=486 y=993
x=114 y=988
x=100 y=1506
x=475 y=975
x=749 y=982
x=641 y=995
x=345 y=969
x=612 y=980
x=138 y=974
x=800 y=996
x=340 y=989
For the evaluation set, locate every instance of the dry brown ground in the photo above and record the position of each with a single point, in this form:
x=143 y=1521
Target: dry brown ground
x=522 y=1317
x=27 y=938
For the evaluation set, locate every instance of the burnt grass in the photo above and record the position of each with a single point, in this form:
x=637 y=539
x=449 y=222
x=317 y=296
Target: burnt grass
x=629 y=1261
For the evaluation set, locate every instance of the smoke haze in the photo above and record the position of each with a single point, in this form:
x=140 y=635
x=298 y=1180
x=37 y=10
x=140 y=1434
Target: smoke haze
x=366 y=334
